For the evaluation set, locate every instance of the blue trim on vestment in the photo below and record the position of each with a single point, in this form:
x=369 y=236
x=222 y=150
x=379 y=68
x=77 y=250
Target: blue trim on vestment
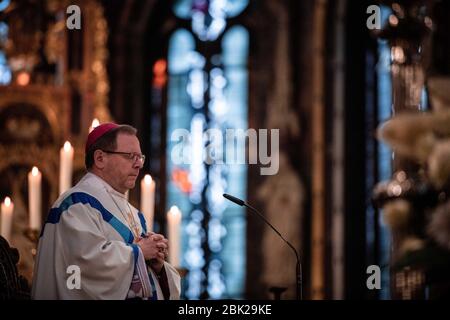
x=143 y=223
x=154 y=291
x=135 y=248
x=80 y=197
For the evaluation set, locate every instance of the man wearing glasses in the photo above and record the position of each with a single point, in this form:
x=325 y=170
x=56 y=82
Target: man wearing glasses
x=95 y=244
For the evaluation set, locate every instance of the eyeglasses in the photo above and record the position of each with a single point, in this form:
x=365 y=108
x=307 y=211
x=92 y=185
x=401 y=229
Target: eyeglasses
x=129 y=155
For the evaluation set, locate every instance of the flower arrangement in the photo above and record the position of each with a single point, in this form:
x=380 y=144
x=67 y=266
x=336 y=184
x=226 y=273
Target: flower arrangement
x=416 y=203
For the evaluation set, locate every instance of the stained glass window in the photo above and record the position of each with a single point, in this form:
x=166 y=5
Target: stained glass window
x=5 y=71
x=207 y=96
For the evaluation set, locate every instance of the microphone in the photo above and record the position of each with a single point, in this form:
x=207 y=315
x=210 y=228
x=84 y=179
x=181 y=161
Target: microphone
x=298 y=269
x=234 y=199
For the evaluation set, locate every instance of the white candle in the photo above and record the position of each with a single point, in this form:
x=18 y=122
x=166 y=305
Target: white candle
x=34 y=198
x=148 y=200
x=95 y=123
x=174 y=224
x=7 y=216
x=65 y=167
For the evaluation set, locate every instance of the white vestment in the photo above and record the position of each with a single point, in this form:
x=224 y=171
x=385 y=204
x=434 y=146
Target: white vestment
x=86 y=231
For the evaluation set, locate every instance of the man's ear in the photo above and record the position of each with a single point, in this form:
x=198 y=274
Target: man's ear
x=99 y=159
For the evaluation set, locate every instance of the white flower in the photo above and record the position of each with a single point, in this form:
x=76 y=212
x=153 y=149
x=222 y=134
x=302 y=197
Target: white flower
x=414 y=135
x=410 y=135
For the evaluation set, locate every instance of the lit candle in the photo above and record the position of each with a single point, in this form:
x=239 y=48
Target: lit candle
x=95 y=123
x=7 y=216
x=174 y=223
x=148 y=200
x=34 y=198
x=65 y=167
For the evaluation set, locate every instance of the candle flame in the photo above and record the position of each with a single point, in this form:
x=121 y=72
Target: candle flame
x=35 y=171
x=148 y=179
x=7 y=201
x=67 y=146
x=23 y=78
x=174 y=211
x=95 y=123
x=393 y=20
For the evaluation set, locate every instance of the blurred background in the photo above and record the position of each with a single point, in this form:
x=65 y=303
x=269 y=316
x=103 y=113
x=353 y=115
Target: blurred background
x=327 y=74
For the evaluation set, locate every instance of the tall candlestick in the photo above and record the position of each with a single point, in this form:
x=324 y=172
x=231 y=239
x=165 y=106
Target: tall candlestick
x=65 y=167
x=148 y=200
x=7 y=217
x=174 y=230
x=34 y=198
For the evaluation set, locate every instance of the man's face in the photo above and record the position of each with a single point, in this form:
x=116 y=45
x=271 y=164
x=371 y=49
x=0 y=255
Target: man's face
x=121 y=171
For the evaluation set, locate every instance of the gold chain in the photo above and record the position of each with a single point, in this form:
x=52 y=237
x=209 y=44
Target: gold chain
x=131 y=222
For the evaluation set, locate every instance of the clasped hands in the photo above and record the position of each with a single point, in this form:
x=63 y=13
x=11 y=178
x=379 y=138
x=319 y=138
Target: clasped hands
x=155 y=249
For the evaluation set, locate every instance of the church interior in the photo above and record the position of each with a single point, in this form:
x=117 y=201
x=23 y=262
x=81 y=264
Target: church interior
x=343 y=108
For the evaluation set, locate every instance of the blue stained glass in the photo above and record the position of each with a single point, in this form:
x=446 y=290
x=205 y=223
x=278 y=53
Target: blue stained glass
x=208 y=17
x=182 y=9
x=384 y=152
x=5 y=70
x=4 y=4
x=235 y=47
x=3 y=32
x=235 y=7
x=226 y=84
x=232 y=8
x=181 y=46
